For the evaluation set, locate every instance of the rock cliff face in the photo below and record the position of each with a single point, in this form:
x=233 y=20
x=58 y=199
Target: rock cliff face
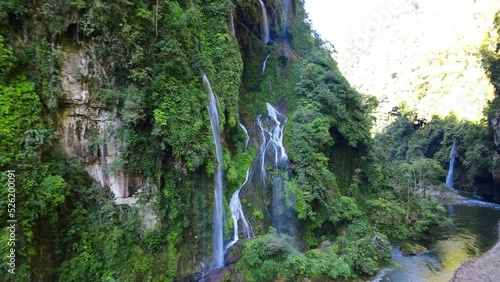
x=89 y=132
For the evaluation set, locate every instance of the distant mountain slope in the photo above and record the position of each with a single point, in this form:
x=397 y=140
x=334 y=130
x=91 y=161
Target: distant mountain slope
x=425 y=54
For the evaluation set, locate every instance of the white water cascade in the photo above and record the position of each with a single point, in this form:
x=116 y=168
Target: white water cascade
x=218 y=239
x=271 y=146
x=453 y=156
x=264 y=63
x=276 y=140
x=272 y=140
x=246 y=133
x=265 y=23
x=272 y=154
x=262 y=151
x=283 y=217
x=237 y=214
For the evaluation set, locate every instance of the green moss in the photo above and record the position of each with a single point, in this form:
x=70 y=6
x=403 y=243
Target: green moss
x=258 y=214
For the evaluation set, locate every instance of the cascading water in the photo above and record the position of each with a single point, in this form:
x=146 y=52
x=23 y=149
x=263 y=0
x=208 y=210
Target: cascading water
x=237 y=214
x=283 y=217
x=276 y=139
x=262 y=151
x=265 y=23
x=264 y=64
x=218 y=190
x=285 y=5
x=231 y=25
x=246 y=133
x=272 y=153
x=453 y=156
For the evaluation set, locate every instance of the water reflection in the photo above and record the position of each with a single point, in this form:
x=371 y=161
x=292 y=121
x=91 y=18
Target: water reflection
x=473 y=232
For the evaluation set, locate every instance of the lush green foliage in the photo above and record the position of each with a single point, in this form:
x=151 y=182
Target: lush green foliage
x=406 y=141
x=490 y=54
x=16 y=118
x=147 y=62
x=273 y=257
x=107 y=243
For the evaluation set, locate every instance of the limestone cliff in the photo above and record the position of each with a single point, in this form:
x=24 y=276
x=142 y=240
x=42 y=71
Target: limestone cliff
x=89 y=132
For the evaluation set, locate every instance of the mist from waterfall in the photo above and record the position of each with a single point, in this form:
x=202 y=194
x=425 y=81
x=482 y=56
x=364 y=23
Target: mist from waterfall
x=218 y=240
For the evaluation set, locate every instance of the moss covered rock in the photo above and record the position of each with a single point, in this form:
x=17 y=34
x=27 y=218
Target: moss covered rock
x=412 y=249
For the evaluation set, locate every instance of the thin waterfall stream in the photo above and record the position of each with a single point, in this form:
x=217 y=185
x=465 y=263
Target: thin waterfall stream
x=246 y=133
x=262 y=151
x=231 y=25
x=264 y=63
x=265 y=23
x=285 y=5
x=453 y=156
x=237 y=214
x=218 y=221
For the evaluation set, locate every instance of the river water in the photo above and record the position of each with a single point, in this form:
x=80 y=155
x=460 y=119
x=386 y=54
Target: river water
x=474 y=230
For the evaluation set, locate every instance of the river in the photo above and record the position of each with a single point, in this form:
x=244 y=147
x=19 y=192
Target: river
x=474 y=230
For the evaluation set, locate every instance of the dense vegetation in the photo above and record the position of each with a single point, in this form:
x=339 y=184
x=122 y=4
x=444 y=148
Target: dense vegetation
x=408 y=139
x=352 y=194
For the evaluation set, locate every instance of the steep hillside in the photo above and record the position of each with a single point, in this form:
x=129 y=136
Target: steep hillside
x=180 y=140
x=424 y=56
x=429 y=63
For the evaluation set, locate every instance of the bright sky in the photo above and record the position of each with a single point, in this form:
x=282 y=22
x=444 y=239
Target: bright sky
x=339 y=20
x=377 y=38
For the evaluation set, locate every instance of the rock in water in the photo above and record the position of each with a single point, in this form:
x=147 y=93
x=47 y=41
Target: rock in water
x=409 y=249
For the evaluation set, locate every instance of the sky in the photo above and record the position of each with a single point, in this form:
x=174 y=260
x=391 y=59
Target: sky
x=340 y=21
x=343 y=22
x=376 y=39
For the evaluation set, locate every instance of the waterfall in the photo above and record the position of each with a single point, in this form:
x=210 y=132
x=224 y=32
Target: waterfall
x=218 y=193
x=246 y=133
x=265 y=23
x=276 y=140
x=231 y=24
x=272 y=153
x=271 y=145
x=285 y=5
x=283 y=218
x=264 y=63
x=237 y=214
x=453 y=156
x=262 y=151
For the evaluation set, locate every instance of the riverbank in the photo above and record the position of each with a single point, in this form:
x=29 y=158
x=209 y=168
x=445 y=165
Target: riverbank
x=484 y=268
